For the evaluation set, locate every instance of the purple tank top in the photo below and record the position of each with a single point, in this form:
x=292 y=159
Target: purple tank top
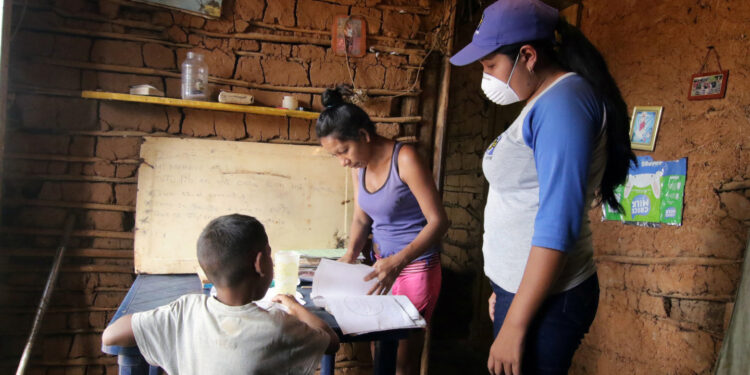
x=396 y=216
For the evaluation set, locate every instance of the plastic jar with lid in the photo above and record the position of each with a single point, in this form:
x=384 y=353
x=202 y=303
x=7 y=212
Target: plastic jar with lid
x=194 y=77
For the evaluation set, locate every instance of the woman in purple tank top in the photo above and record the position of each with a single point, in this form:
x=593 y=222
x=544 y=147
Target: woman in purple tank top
x=397 y=201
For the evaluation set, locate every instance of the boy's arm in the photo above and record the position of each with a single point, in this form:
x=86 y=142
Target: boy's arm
x=120 y=332
x=299 y=312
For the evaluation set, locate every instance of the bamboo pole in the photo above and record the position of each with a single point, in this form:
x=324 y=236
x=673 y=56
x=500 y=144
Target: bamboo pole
x=46 y=295
x=50 y=177
x=647 y=261
x=76 y=233
x=105 y=35
x=16 y=202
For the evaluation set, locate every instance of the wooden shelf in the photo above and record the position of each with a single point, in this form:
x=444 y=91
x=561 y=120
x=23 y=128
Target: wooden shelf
x=101 y=95
x=214 y=106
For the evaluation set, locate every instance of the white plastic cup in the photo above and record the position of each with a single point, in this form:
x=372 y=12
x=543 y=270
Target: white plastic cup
x=289 y=102
x=285 y=271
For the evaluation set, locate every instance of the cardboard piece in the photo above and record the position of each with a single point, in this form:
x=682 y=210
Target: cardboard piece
x=300 y=193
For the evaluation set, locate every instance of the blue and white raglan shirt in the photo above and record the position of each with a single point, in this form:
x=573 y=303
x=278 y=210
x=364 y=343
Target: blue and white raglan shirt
x=543 y=172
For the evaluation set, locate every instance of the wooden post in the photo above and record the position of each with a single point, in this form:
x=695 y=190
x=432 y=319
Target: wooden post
x=442 y=110
x=5 y=13
x=428 y=100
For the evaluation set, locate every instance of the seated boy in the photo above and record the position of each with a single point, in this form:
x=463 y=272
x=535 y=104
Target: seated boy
x=229 y=334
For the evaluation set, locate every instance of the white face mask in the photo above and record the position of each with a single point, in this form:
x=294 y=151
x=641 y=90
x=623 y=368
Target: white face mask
x=497 y=91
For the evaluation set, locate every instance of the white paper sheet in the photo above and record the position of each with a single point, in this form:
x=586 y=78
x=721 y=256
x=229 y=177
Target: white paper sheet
x=362 y=314
x=341 y=289
x=334 y=279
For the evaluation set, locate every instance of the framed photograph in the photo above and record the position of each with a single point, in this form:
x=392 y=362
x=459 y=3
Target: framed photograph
x=643 y=127
x=708 y=85
x=202 y=8
x=349 y=36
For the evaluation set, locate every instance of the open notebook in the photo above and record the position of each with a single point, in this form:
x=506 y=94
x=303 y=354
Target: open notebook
x=341 y=289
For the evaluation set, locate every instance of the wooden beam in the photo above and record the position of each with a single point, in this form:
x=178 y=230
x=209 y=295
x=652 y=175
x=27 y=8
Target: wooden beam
x=105 y=35
x=710 y=298
x=324 y=42
x=76 y=233
x=405 y=9
x=227 y=107
x=647 y=261
x=16 y=202
x=86 y=268
x=50 y=177
x=76 y=253
x=231 y=82
x=67 y=158
x=90 y=17
x=55 y=310
x=442 y=104
x=734 y=185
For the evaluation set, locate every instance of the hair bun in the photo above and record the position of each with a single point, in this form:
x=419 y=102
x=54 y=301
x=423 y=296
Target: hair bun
x=335 y=97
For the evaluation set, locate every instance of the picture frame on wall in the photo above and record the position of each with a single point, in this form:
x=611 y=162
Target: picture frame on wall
x=644 y=124
x=711 y=85
x=203 y=8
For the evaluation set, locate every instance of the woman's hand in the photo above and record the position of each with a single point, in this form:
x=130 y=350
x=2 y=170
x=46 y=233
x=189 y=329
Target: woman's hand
x=507 y=351
x=386 y=271
x=491 y=302
x=348 y=257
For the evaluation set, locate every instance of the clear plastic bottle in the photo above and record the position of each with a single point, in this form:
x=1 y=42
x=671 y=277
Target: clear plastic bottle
x=194 y=77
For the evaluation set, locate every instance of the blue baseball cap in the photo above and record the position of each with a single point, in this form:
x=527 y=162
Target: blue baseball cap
x=507 y=22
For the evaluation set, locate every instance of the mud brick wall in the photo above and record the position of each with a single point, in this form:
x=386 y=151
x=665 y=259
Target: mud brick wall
x=64 y=154
x=667 y=293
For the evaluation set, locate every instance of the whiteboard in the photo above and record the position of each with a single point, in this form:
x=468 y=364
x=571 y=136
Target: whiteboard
x=300 y=193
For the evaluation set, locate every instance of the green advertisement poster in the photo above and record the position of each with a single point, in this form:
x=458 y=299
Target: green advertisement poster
x=652 y=194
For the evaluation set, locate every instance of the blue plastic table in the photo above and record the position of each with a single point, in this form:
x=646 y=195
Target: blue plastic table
x=151 y=291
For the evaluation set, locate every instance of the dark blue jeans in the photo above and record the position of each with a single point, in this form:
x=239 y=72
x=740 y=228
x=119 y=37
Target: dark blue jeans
x=557 y=329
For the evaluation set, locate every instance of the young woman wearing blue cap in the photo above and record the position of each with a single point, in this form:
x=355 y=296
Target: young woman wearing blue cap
x=568 y=146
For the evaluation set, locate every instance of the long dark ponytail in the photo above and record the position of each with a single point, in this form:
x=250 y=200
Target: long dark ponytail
x=575 y=53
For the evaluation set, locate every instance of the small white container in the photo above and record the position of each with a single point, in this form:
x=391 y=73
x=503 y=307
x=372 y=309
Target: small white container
x=290 y=102
x=194 y=77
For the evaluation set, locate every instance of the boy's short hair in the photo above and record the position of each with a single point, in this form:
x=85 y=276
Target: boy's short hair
x=228 y=245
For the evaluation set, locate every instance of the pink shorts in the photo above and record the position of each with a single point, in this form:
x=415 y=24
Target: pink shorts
x=421 y=287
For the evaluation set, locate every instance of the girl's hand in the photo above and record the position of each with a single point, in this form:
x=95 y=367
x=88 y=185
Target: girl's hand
x=386 y=271
x=348 y=258
x=491 y=302
x=507 y=350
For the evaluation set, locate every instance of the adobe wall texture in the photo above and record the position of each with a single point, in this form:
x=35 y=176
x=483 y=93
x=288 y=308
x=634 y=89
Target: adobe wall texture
x=667 y=293
x=64 y=153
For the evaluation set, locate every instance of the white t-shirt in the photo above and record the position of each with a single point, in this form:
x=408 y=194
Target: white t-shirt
x=197 y=334
x=543 y=172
